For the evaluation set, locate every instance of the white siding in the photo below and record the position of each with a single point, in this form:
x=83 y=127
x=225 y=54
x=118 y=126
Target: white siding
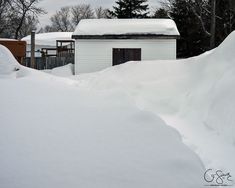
x=95 y=55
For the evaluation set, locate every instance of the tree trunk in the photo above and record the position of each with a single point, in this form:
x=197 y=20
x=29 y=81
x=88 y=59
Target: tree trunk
x=213 y=23
x=232 y=4
x=19 y=26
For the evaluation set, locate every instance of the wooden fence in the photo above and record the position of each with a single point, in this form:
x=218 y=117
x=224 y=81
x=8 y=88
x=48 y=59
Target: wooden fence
x=42 y=63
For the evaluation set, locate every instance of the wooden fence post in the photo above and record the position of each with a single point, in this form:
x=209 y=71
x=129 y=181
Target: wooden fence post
x=33 y=49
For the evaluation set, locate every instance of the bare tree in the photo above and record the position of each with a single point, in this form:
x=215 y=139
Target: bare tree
x=3 y=14
x=203 y=10
x=61 y=20
x=100 y=12
x=232 y=4
x=231 y=14
x=67 y=18
x=213 y=23
x=29 y=24
x=21 y=9
x=200 y=8
x=83 y=11
x=48 y=28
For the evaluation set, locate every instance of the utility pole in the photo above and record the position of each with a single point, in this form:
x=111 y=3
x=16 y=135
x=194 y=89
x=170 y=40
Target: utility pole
x=33 y=49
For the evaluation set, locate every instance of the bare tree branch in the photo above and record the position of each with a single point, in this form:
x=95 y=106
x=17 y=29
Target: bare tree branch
x=83 y=11
x=61 y=20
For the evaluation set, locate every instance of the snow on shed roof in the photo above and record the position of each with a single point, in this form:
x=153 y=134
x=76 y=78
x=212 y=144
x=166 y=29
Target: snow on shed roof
x=48 y=39
x=102 y=27
x=7 y=39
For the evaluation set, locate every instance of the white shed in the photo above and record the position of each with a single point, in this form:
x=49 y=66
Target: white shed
x=101 y=43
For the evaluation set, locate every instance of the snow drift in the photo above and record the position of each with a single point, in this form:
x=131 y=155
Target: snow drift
x=63 y=71
x=8 y=64
x=195 y=95
x=55 y=134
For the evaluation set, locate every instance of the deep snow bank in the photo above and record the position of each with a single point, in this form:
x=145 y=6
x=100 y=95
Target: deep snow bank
x=53 y=134
x=196 y=96
x=8 y=64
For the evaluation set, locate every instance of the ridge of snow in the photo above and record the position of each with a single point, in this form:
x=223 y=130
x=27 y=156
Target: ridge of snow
x=55 y=134
x=195 y=96
x=103 y=129
x=8 y=64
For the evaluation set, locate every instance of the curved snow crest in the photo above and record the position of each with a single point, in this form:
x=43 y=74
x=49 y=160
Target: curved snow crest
x=92 y=139
x=10 y=68
x=226 y=49
x=63 y=71
x=74 y=138
x=53 y=134
x=196 y=96
x=8 y=64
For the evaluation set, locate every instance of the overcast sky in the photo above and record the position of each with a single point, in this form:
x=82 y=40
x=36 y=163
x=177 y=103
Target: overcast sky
x=52 y=5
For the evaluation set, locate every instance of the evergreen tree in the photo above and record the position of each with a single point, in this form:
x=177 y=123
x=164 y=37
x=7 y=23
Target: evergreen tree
x=130 y=9
x=160 y=13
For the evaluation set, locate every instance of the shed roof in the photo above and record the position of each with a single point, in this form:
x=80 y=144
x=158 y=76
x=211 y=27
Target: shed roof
x=125 y=28
x=7 y=39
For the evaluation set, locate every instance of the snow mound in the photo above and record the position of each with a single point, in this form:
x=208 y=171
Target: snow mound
x=226 y=50
x=8 y=64
x=63 y=71
x=196 y=96
x=53 y=134
x=103 y=129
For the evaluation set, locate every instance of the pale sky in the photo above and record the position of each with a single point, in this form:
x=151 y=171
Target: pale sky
x=51 y=6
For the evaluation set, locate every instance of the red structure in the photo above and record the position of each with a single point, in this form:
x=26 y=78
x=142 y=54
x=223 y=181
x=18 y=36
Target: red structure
x=17 y=48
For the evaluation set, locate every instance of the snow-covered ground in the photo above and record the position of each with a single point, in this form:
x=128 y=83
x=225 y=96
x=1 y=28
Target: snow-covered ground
x=196 y=96
x=64 y=71
x=109 y=129
x=54 y=133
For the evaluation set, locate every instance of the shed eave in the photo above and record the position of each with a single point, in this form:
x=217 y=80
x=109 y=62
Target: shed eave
x=129 y=36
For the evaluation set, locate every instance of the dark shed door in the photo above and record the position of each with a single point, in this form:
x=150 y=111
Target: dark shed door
x=122 y=55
